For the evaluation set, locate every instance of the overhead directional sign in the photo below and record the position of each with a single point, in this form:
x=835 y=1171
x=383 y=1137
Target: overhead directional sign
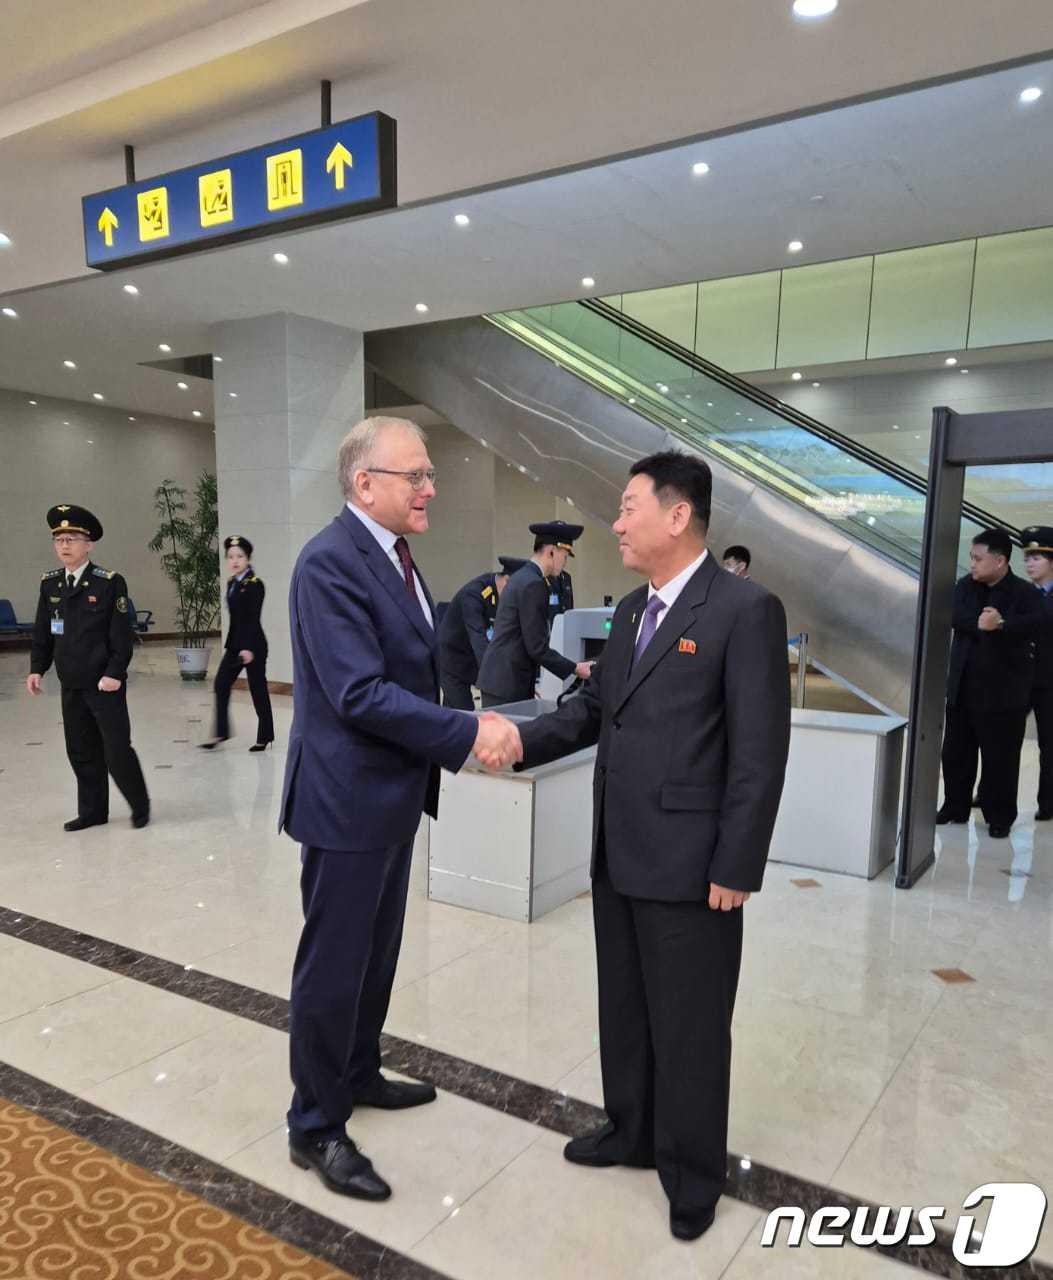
x=336 y=172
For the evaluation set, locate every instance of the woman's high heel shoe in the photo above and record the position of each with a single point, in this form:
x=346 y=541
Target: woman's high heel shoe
x=260 y=746
x=212 y=742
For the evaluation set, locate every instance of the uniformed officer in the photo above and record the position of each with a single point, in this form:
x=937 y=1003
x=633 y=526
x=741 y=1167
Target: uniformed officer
x=466 y=629
x=520 y=645
x=1037 y=542
x=83 y=626
x=245 y=647
x=561 y=593
x=997 y=618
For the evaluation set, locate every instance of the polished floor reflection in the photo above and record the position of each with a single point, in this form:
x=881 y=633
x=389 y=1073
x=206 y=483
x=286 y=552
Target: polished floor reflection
x=855 y=1066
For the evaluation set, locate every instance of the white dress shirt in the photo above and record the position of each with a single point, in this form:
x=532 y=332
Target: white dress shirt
x=671 y=591
x=387 y=541
x=77 y=574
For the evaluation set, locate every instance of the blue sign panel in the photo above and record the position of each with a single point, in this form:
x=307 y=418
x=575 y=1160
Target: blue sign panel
x=336 y=172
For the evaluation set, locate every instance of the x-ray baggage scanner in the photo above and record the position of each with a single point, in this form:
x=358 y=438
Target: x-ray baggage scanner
x=579 y=634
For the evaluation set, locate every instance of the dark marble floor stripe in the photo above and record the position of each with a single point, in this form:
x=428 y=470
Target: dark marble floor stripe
x=757 y=1184
x=333 y=1242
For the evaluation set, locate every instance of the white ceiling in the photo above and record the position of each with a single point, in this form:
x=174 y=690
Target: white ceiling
x=485 y=91
x=937 y=164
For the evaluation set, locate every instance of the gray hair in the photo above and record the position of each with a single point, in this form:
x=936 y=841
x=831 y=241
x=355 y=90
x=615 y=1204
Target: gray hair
x=359 y=447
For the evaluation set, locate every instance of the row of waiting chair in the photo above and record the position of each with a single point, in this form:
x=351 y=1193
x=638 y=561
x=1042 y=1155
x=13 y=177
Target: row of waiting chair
x=142 y=620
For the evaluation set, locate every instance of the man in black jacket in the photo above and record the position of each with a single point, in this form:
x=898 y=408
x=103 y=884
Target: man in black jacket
x=520 y=645
x=465 y=631
x=997 y=617
x=689 y=705
x=83 y=626
x=1037 y=542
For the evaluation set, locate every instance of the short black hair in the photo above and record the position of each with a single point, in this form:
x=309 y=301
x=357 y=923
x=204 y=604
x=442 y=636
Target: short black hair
x=540 y=543
x=679 y=476
x=996 y=540
x=738 y=553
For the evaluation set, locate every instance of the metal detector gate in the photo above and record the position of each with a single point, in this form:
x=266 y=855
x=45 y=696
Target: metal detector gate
x=958 y=441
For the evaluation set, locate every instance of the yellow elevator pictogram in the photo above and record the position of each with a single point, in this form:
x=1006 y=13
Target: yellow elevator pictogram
x=285 y=179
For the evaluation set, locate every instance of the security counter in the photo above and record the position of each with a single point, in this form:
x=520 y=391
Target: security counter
x=518 y=844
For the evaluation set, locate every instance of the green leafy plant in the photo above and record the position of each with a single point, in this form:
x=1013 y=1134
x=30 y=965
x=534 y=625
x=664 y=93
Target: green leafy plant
x=189 y=548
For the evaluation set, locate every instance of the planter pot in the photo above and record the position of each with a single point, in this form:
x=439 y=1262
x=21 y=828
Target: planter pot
x=193 y=663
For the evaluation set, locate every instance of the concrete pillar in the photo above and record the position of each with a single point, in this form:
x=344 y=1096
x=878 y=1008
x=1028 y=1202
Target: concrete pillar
x=287 y=390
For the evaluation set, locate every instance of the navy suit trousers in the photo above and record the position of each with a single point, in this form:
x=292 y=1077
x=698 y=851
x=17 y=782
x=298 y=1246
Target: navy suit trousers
x=354 y=904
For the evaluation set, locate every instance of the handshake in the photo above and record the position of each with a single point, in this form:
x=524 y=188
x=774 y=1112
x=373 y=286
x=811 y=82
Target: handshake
x=497 y=742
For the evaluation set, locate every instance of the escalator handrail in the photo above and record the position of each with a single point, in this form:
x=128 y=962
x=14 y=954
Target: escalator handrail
x=758 y=396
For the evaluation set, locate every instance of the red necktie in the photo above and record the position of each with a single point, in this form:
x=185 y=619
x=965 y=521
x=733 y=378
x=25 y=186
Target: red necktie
x=406 y=560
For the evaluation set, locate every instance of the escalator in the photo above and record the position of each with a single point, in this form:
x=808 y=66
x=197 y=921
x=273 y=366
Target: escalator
x=572 y=394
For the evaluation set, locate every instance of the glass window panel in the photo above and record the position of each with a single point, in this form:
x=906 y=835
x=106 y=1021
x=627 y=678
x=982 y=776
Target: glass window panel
x=921 y=300
x=824 y=311
x=738 y=320
x=670 y=312
x=1013 y=292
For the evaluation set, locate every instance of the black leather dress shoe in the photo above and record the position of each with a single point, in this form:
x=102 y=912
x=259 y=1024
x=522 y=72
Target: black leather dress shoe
x=393 y=1095
x=79 y=824
x=998 y=833
x=945 y=815
x=1044 y=815
x=141 y=819
x=689 y=1224
x=598 y=1150
x=340 y=1165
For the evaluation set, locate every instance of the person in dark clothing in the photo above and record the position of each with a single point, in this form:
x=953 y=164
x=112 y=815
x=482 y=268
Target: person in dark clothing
x=520 y=645
x=996 y=619
x=245 y=648
x=561 y=597
x=737 y=560
x=466 y=629
x=83 y=625
x=1038 y=563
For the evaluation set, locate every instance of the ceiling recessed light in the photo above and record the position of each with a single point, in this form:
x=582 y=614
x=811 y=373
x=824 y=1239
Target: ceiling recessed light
x=684 y=421
x=132 y=289
x=5 y=241
x=951 y=360
x=1031 y=94
x=662 y=387
x=813 y=8
x=97 y=395
x=963 y=370
x=233 y=395
x=11 y=312
x=196 y=413
x=795 y=246
x=70 y=364
x=587 y=282
x=130 y=418
x=895 y=426
x=282 y=259
x=89 y=441
x=700 y=168
x=709 y=404
x=65 y=424
x=32 y=402
x=163 y=346
x=217 y=359
x=797 y=376
x=421 y=307
x=462 y=219
x=183 y=386
x=632 y=399
x=817 y=384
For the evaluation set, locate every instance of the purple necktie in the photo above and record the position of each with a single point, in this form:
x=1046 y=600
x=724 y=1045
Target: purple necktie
x=406 y=560
x=650 y=625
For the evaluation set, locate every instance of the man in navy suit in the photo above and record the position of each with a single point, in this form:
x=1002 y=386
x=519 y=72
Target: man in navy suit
x=368 y=739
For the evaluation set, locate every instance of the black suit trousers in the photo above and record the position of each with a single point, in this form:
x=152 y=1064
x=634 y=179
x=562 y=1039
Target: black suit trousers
x=99 y=741
x=457 y=693
x=1042 y=705
x=354 y=905
x=995 y=737
x=230 y=667
x=668 y=974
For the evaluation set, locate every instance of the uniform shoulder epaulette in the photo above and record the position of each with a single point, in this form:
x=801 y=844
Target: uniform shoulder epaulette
x=252 y=578
x=103 y=573
x=487 y=592
x=51 y=573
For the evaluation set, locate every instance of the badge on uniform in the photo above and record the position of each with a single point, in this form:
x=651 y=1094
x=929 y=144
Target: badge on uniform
x=687 y=646
x=56 y=626
x=122 y=604
x=92 y=600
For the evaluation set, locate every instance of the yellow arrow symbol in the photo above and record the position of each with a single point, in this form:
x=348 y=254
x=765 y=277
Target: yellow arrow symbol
x=338 y=157
x=107 y=225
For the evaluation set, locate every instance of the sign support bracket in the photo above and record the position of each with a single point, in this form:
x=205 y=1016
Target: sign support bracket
x=129 y=163
x=327 y=103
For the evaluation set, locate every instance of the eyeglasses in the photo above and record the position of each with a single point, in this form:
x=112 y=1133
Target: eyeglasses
x=417 y=479
x=68 y=540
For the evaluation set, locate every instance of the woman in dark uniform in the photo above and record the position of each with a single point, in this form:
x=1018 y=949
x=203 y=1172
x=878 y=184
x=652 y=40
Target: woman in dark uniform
x=246 y=647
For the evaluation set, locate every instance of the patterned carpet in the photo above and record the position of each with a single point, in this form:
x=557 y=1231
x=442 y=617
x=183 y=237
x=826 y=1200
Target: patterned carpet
x=70 y=1209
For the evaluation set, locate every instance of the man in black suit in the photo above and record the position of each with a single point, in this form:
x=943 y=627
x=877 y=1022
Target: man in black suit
x=997 y=617
x=1037 y=542
x=690 y=706
x=520 y=645
x=465 y=631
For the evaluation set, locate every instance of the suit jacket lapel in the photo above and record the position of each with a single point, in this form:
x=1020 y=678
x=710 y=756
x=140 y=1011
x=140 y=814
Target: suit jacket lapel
x=390 y=578
x=672 y=625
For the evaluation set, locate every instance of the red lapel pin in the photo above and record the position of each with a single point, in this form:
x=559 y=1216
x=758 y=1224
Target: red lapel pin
x=688 y=646
x=92 y=600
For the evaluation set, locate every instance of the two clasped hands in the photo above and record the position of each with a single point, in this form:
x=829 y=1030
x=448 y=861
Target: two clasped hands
x=497 y=743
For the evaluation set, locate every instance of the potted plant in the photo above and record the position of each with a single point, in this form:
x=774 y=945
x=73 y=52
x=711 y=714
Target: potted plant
x=189 y=549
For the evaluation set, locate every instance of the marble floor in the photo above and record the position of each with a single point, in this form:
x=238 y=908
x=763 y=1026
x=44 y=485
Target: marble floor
x=856 y=1067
